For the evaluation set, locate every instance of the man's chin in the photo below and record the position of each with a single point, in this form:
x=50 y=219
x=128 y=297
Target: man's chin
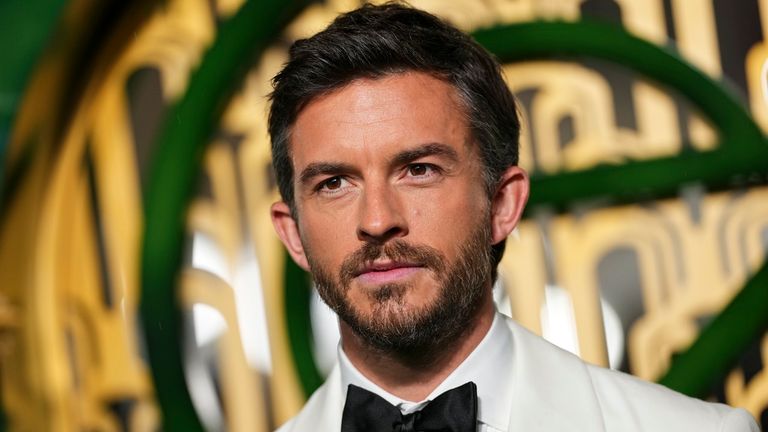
x=397 y=327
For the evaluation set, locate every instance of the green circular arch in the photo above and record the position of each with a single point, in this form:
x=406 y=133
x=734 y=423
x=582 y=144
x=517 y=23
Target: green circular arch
x=742 y=151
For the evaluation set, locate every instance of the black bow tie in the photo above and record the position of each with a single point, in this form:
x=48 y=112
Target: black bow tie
x=452 y=411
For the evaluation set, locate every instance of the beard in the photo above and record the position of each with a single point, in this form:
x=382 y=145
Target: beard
x=395 y=329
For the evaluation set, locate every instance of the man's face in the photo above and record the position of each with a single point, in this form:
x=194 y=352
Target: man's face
x=392 y=213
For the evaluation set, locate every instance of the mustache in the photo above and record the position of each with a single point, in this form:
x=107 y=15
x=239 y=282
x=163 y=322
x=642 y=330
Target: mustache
x=395 y=250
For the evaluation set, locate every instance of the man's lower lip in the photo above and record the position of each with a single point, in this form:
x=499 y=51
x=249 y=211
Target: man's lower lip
x=387 y=276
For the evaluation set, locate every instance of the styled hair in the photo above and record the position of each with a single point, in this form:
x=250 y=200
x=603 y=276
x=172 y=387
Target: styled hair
x=377 y=41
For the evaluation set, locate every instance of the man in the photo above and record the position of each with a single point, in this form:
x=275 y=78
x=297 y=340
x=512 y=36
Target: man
x=394 y=141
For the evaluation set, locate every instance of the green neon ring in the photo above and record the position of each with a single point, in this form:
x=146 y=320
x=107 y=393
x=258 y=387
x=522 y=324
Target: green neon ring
x=181 y=147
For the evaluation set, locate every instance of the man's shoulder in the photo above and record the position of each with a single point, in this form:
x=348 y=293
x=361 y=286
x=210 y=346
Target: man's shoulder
x=655 y=407
x=624 y=402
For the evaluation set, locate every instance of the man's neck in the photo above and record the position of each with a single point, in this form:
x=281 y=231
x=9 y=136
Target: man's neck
x=410 y=378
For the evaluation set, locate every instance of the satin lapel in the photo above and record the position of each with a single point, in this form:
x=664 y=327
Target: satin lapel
x=552 y=389
x=323 y=410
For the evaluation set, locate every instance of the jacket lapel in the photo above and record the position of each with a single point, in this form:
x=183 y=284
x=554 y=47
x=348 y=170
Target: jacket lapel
x=552 y=389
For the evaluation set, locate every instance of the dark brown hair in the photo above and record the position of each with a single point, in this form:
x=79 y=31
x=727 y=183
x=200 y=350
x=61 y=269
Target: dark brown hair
x=375 y=41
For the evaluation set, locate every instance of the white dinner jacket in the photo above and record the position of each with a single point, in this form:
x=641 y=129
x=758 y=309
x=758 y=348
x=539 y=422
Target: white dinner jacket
x=553 y=390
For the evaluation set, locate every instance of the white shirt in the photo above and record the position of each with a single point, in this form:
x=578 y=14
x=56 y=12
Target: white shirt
x=487 y=366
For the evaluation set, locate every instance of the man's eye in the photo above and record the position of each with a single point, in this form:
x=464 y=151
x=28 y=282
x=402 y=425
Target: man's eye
x=332 y=183
x=420 y=169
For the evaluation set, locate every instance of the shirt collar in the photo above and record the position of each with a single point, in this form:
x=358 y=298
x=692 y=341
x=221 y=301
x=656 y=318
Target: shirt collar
x=488 y=366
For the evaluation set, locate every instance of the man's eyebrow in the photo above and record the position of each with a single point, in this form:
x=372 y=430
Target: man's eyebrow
x=323 y=168
x=431 y=149
x=316 y=169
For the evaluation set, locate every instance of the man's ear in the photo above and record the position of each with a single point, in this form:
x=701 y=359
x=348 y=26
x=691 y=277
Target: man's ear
x=508 y=203
x=288 y=231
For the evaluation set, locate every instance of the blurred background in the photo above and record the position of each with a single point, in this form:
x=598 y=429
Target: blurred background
x=142 y=287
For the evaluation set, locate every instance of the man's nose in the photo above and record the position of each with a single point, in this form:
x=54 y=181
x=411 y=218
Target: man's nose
x=381 y=216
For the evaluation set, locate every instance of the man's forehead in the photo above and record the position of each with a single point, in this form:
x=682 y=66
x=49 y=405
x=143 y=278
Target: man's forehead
x=408 y=87
x=405 y=108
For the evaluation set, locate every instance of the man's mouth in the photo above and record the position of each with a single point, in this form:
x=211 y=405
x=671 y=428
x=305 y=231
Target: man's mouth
x=384 y=272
